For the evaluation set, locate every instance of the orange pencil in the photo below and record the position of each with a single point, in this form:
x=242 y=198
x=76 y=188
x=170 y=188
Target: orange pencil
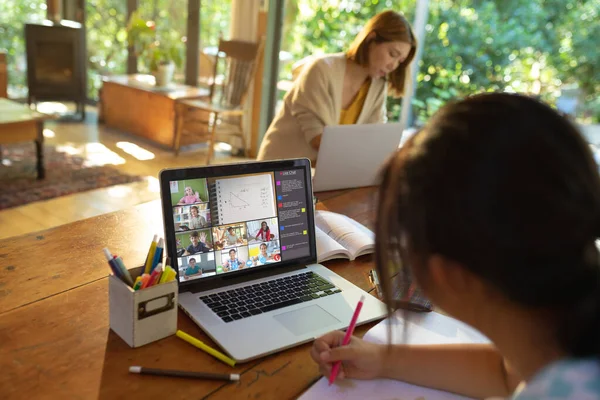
x=145 y=281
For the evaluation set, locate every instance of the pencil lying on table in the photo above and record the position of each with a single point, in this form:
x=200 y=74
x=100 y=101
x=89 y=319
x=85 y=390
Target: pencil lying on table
x=183 y=374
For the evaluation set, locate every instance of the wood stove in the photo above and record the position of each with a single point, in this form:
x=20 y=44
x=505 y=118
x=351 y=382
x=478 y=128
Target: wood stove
x=56 y=62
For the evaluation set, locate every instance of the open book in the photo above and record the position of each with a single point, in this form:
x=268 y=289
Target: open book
x=339 y=236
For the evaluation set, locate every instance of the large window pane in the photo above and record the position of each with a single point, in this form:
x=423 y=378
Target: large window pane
x=106 y=41
x=170 y=18
x=215 y=18
x=527 y=46
x=13 y=16
x=539 y=47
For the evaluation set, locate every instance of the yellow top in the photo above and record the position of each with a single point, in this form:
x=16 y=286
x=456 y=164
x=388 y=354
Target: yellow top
x=349 y=116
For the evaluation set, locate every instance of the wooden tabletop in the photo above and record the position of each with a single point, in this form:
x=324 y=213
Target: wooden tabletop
x=12 y=112
x=144 y=82
x=55 y=340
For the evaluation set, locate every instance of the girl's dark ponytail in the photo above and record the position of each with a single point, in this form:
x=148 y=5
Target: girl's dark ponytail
x=579 y=331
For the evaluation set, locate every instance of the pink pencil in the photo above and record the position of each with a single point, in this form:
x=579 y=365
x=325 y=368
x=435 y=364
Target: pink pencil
x=155 y=275
x=347 y=337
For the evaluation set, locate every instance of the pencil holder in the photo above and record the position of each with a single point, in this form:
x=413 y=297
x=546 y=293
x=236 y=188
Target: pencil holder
x=142 y=316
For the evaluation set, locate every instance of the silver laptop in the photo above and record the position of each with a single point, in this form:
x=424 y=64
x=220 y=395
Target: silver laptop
x=351 y=156
x=242 y=240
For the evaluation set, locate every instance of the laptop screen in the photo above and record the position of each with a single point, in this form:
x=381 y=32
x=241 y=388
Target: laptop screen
x=225 y=222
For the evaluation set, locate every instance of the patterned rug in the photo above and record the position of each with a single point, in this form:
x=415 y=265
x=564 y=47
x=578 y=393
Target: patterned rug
x=65 y=174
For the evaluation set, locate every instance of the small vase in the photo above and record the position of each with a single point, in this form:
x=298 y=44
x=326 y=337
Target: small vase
x=164 y=74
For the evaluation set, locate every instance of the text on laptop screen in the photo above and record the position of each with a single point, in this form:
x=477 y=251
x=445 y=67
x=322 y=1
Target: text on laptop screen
x=232 y=223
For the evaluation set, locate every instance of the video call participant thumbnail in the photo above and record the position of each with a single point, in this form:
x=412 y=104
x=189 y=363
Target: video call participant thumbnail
x=193 y=269
x=235 y=259
x=229 y=236
x=196 y=220
x=197 y=266
x=189 y=191
x=233 y=263
x=262 y=230
x=198 y=244
x=266 y=255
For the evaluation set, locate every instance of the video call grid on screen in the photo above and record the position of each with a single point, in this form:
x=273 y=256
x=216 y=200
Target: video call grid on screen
x=231 y=223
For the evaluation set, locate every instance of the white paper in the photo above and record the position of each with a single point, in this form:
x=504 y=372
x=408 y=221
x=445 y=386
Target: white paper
x=245 y=198
x=422 y=328
x=380 y=389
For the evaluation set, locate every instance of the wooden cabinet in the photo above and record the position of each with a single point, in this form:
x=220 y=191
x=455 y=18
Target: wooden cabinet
x=134 y=105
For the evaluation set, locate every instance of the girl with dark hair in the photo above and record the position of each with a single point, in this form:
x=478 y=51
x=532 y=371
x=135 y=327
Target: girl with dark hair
x=494 y=209
x=264 y=234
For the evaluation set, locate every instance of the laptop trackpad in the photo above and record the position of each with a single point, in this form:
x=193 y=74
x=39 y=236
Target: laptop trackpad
x=306 y=319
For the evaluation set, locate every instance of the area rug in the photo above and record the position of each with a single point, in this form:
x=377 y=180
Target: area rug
x=65 y=174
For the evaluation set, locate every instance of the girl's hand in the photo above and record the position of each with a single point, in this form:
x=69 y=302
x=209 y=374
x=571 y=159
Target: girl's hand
x=360 y=359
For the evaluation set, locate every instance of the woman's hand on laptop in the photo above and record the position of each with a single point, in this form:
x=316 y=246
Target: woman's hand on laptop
x=360 y=359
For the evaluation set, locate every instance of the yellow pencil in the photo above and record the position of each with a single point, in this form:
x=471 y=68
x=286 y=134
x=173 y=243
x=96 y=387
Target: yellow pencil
x=195 y=342
x=169 y=275
x=165 y=275
x=150 y=256
x=137 y=280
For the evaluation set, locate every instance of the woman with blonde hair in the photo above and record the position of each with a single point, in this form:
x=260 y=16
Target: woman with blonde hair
x=343 y=88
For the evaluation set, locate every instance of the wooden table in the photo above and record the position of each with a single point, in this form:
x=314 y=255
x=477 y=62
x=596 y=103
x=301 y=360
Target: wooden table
x=55 y=340
x=18 y=123
x=131 y=103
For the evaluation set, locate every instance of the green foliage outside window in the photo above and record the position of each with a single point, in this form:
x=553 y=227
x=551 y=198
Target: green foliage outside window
x=13 y=16
x=106 y=41
x=151 y=44
x=106 y=23
x=532 y=46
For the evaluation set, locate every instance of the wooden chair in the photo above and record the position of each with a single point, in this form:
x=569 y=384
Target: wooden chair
x=198 y=119
x=206 y=65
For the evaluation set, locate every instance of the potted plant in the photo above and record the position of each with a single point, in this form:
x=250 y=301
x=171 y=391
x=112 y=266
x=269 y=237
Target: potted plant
x=160 y=50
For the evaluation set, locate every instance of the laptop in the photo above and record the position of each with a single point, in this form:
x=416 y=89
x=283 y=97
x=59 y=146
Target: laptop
x=351 y=156
x=242 y=240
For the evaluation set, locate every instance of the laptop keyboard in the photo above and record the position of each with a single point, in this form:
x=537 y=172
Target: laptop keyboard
x=259 y=298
